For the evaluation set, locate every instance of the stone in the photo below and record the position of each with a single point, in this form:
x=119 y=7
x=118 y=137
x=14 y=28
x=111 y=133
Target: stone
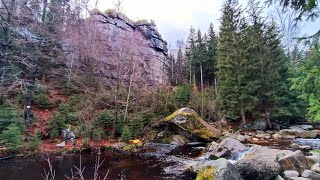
x=231 y=144
x=305 y=147
x=289 y=133
x=213 y=146
x=279 y=178
x=188 y=123
x=311 y=175
x=260 y=124
x=296 y=132
x=294 y=161
x=267 y=153
x=275 y=136
x=313 y=159
x=316 y=168
x=305 y=127
x=228 y=148
x=295 y=145
x=241 y=138
x=181 y=140
x=62 y=144
x=309 y=134
x=67 y=134
x=299 y=178
x=119 y=145
x=224 y=170
x=289 y=174
x=220 y=169
x=255 y=139
x=258 y=168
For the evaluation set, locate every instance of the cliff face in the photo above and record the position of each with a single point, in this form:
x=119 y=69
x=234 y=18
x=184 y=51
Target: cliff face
x=132 y=50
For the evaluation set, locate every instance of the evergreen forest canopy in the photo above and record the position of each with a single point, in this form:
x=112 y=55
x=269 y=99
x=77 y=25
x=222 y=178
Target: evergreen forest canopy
x=242 y=73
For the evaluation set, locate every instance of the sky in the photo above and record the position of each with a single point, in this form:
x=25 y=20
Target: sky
x=175 y=17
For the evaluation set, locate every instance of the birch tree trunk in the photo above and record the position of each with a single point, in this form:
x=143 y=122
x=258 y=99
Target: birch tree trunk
x=129 y=92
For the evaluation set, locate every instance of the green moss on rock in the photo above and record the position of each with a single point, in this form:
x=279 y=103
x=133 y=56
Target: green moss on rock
x=190 y=121
x=206 y=173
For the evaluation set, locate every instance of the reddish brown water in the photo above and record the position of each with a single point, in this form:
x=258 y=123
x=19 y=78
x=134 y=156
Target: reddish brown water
x=120 y=166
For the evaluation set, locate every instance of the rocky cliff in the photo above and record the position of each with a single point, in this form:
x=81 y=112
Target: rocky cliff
x=131 y=50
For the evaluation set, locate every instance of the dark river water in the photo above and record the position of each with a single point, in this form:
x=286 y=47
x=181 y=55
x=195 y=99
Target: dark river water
x=122 y=166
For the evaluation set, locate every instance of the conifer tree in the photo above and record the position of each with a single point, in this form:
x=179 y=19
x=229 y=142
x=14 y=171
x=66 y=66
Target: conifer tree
x=230 y=64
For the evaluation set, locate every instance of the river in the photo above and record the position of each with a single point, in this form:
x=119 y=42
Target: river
x=154 y=162
x=145 y=165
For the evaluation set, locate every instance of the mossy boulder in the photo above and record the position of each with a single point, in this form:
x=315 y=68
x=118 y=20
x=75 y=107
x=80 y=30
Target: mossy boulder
x=206 y=173
x=220 y=169
x=188 y=123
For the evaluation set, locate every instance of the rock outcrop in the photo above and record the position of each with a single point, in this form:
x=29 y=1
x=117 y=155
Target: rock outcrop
x=122 y=50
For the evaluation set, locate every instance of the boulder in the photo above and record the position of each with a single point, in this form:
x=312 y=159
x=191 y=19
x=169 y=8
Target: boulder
x=316 y=168
x=62 y=144
x=294 y=161
x=227 y=148
x=221 y=169
x=305 y=147
x=188 y=123
x=258 y=168
x=241 y=138
x=299 y=178
x=278 y=178
x=309 y=134
x=289 y=133
x=225 y=170
x=67 y=134
x=311 y=175
x=179 y=139
x=313 y=159
x=296 y=132
x=304 y=126
x=267 y=154
x=289 y=174
x=119 y=145
x=260 y=124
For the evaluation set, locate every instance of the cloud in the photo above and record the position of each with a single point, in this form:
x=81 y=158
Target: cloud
x=173 y=17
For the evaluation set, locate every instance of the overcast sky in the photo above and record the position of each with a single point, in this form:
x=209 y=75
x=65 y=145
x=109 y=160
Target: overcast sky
x=174 y=17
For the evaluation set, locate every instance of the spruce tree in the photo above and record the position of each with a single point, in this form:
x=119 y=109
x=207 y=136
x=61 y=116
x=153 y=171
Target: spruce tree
x=230 y=64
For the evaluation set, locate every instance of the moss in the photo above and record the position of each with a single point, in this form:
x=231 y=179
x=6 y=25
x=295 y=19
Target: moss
x=206 y=173
x=204 y=133
x=130 y=147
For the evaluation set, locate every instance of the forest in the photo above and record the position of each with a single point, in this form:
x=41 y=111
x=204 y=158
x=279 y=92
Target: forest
x=108 y=79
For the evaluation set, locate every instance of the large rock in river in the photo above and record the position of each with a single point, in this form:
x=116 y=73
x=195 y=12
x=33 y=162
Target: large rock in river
x=228 y=148
x=260 y=164
x=294 y=161
x=188 y=123
x=258 y=169
x=220 y=169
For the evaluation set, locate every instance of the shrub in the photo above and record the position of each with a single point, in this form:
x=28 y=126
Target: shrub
x=8 y=115
x=11 y=138
x=105 y=119
x=57 y=124
x=33 y=142
x=126 y=134
x=137 y=125
x=68 y=112
x=98 y=134
x=41 y=100
x=182 y=95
